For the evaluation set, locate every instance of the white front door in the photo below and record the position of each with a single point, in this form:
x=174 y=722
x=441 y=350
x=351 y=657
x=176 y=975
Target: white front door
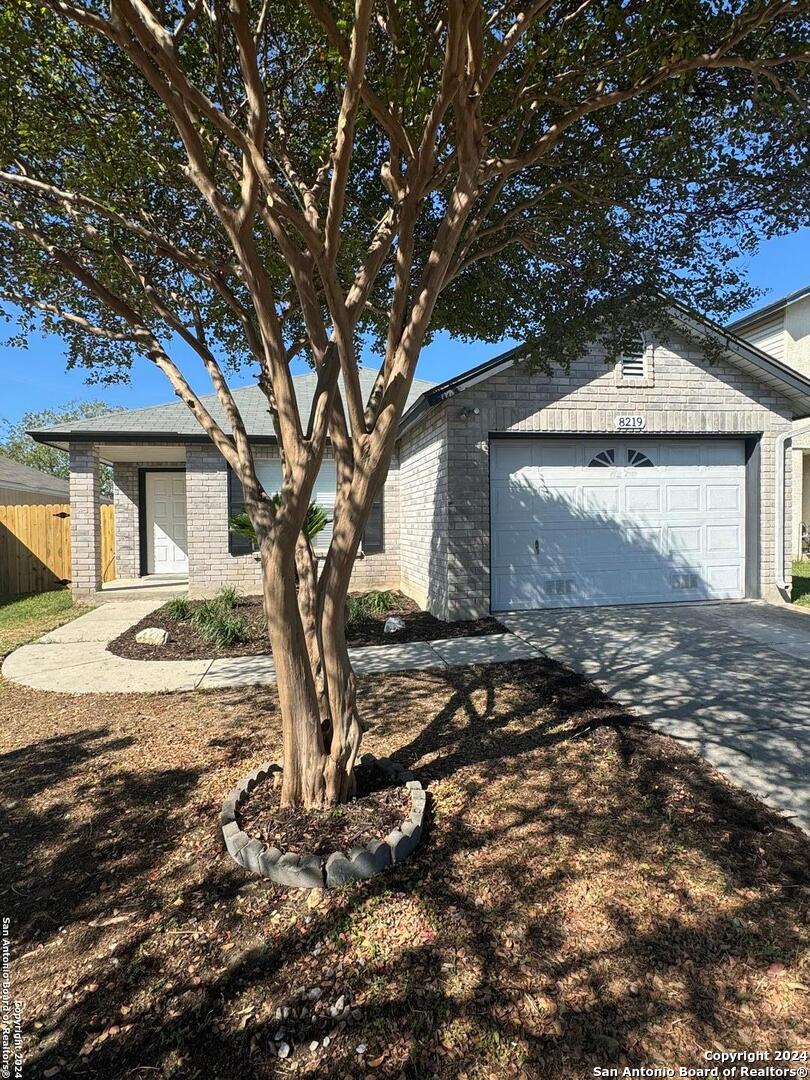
x=584 y=522
x=166 y=545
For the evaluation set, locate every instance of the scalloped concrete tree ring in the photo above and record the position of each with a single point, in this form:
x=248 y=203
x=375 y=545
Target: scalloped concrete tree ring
x=295 y=871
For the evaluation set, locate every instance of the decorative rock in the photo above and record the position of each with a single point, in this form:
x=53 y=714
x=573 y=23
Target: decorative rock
x=393 y=625
x=152 y=635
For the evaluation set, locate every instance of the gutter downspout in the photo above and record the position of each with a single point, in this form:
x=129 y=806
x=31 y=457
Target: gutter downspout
x=779 y=553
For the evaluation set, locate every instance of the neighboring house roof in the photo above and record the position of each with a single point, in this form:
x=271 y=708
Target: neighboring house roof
x=175 y=422
x=24 y=478
x=782 y=378
x=738 y=326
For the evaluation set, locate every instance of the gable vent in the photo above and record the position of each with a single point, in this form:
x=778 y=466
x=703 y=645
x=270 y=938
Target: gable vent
x=633 y=366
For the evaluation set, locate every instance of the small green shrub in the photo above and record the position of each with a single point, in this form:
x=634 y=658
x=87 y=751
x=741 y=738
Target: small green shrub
x=360 y=606
x=378 y=603
x=206 y=610
x=179 y=607
x=227 y=598
x=223 y=628
x=354 y=610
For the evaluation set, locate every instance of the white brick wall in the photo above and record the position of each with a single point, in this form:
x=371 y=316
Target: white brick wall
x=423 y=465
x=210 y=563
x=688 y=396
x=85 y=525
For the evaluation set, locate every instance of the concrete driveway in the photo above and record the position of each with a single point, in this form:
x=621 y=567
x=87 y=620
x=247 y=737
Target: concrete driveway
x=731 y=679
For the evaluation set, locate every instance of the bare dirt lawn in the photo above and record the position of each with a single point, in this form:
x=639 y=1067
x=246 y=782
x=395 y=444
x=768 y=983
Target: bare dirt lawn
x=589 y=895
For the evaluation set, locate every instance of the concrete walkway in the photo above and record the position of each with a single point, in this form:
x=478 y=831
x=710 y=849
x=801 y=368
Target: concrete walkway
x=730 y=679
x=75 y=660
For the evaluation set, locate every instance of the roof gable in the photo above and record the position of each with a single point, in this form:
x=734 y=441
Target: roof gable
x=753 y=361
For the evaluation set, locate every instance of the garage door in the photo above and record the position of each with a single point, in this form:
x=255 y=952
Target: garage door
x=578 y=523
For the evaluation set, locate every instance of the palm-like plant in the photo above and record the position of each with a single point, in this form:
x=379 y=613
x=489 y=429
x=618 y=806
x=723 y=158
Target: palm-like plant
x=316 y=521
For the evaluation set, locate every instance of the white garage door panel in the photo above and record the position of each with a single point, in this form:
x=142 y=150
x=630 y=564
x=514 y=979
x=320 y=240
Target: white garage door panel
x=616 y=521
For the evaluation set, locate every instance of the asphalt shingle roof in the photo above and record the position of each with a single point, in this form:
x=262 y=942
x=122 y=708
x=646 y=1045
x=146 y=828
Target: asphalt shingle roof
x=15 y=475
x=176 y=418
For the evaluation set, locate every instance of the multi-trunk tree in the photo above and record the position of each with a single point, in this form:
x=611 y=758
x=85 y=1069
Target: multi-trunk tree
x=265 y=180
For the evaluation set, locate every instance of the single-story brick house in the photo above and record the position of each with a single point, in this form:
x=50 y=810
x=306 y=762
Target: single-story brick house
x=661 y=478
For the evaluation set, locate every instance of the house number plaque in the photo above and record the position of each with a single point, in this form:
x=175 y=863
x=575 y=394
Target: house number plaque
x=630 y=422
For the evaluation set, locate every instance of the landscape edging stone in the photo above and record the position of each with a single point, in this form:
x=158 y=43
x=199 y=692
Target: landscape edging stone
x=294 y=870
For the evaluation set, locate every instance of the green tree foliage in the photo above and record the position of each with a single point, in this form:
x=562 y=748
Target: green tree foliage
x=652 y=152
x=17 y=444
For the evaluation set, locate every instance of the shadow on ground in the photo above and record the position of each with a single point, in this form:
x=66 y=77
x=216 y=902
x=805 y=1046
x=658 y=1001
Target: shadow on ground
x=589 y=894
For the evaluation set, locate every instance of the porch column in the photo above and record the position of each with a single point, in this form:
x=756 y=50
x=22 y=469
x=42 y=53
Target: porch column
x=85 y=523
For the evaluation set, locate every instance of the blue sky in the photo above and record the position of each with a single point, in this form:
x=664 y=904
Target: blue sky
x=35 y=378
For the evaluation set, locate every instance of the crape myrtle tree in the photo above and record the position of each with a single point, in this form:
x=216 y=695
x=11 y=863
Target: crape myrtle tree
x=268 y=179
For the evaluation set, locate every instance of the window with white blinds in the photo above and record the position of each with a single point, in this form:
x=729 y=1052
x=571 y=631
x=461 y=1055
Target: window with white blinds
x=323 y=493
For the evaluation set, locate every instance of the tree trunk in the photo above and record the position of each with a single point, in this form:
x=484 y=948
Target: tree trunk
x=306 y=566
x=303 y=782
x=333 y=587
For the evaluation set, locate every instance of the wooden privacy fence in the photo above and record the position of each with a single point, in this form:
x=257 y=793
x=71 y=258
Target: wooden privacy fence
x=35 y=547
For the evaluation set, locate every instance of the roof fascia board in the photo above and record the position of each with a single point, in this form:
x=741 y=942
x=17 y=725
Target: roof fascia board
x=167 y=438
x=45 y=490
x=450 y=387
x=770 y=309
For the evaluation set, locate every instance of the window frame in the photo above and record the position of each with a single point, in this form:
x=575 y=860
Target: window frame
x=236 y=543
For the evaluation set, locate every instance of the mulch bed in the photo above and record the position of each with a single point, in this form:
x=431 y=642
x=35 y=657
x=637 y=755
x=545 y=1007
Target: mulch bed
x=186 y=643
x=379 y=807
x=589 y=894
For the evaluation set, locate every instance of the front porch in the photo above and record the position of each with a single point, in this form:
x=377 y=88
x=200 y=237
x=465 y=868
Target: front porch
x=151 y=516
x=149 y=587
